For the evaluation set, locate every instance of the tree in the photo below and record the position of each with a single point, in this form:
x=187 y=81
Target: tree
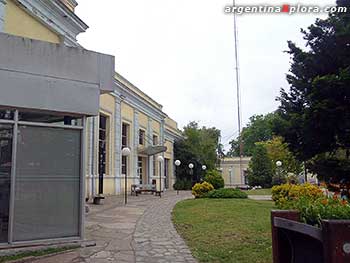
x=200 y=146
x=259 y=128
x=260 y=170
x=315 y=111
x=277 y=150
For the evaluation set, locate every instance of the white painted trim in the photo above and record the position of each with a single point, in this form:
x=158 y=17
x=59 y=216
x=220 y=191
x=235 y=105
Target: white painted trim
x=117 y=146
x=136 y=144
x=138 y=102
x=55 y=15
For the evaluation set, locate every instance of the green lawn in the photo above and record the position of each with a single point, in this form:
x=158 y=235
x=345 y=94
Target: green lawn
x=259 y=192
x=226 y=230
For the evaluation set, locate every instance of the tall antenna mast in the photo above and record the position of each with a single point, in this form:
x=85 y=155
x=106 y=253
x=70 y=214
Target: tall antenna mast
x=238 y=89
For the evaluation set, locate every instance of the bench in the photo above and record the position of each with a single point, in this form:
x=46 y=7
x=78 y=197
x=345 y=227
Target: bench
x=97 y=199
x=143 y=188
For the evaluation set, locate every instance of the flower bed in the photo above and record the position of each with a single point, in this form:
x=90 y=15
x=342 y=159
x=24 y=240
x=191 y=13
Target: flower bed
x=311 y=203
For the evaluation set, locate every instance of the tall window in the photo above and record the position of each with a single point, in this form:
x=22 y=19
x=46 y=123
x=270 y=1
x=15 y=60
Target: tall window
x=139 y=168
x=102 y=157
x=125 y=143
x=166 y=173
x=154 y=166
x=142 y=137
x=155 y=140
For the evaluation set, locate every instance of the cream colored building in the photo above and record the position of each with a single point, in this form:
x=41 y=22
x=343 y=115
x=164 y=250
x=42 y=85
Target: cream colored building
x=128 y=116
x=231 y=167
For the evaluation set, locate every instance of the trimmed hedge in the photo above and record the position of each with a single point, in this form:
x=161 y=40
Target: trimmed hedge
x=226 y=193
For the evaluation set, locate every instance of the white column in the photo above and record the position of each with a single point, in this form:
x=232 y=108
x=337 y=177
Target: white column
x=162 y=142
x=150 y=158
x=118 y=146
x=2 y=14
x=135 y=147
x=173 y=170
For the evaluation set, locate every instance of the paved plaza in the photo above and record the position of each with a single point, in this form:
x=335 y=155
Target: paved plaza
x=141 y=231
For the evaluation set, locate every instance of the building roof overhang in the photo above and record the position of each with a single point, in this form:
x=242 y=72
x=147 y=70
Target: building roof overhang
x=45 y=76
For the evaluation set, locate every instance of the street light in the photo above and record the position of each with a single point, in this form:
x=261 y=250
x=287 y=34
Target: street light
x=160 y=160
x=126 y=152
x=191 y=165
x=177 y=164
x=278 y=165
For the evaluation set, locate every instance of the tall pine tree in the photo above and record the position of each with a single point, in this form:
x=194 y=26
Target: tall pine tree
x=315 y=112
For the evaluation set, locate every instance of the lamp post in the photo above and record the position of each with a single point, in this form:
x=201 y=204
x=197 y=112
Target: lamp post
x=279 y=165
x=191 y=165
x=230 y=174
x=204 y=167
x=160 y=160
x=126 y=152
x=177 y=164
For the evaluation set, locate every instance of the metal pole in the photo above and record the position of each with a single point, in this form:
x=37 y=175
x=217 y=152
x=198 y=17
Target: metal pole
x=82 y=179
x=160 y=179
x=305 y=172
x=13 y=178
x=238 y=91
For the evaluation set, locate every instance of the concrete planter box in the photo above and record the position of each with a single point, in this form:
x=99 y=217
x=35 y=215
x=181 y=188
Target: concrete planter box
x=296 y=242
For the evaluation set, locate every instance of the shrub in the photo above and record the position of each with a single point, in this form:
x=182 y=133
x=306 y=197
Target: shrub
x=199 y=190
x=214 y=177
x=278 y=180
x=284 y=193
x=182 y=184
x=226 y=193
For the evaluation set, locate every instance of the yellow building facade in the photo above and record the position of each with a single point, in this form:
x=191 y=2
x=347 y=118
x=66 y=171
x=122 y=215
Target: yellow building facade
x=129 y=118
x=234 y=171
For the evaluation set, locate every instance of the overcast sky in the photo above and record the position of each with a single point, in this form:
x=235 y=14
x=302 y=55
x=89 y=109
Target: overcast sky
x=181 y=53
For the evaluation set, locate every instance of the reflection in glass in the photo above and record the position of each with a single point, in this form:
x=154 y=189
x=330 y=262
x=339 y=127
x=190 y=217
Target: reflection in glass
x=49 y=118
x=6 y=132
x=47 y=189
x=6 y=114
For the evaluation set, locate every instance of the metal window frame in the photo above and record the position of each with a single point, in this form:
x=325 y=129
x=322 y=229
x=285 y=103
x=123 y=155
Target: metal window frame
x=16 y=123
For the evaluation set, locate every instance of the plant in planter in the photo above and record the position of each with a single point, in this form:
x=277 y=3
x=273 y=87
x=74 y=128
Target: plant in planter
x=311 y=227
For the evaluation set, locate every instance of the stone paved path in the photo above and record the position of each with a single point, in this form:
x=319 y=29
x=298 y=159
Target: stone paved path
x=142 y=231
x=155 y=238
x=260 y=197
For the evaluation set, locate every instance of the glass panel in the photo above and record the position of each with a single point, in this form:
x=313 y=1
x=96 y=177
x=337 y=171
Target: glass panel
x=125 y=131
x=47 y=194
x=6 y=133
x=6 y=114
x=49 y=118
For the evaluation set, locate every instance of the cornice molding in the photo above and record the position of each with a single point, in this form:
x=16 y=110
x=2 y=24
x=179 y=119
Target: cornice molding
x=137 y=102
x=58 y=17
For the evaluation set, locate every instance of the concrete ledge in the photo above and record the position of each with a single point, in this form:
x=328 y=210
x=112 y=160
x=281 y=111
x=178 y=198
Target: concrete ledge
x=18 y=249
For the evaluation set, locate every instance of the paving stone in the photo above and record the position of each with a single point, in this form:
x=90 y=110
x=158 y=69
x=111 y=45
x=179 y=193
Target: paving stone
x=141 y=231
